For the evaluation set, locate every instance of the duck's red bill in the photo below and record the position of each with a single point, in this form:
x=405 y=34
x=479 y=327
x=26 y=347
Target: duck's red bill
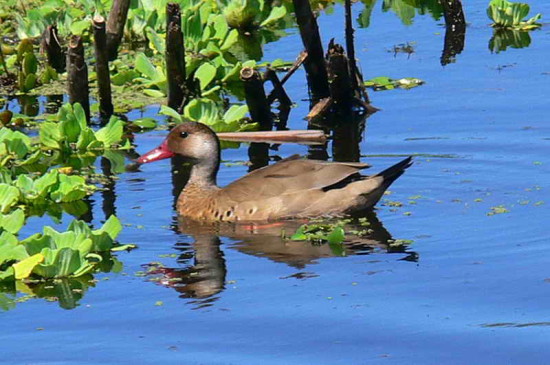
x=159 y=153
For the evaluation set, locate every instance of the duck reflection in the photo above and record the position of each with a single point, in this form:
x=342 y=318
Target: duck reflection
x=204 y=273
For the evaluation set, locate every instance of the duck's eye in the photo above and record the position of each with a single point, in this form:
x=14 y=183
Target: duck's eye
x=184 y=134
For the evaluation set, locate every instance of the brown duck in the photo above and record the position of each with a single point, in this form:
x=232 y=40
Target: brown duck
x=291 y=188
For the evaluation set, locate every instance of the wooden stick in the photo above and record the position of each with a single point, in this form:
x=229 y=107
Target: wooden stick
x=315 y=63
x=301 y=58
x=320 y=108
x=295 y=136
x=175 y=58
x=115 y=26
x=77 y=77
x=52 y=47
x=259 y=109
x=278 y=91
x=102 y=68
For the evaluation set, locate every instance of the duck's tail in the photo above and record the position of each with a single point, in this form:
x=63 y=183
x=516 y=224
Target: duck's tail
x=392 y=173
x=374 y=186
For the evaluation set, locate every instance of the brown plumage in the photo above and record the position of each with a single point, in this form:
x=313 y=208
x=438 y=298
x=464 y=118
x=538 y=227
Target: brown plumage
x=290 y=188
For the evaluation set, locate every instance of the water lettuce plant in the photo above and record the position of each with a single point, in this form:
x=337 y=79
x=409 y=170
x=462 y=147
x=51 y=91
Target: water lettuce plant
x=207 y=111
x=506 y=14
x=52 y=254
x=250 y=14
x=28 y=189
x=71 y=132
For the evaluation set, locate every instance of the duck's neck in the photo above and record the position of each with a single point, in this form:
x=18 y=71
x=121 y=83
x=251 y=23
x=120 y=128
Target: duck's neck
x=204 y=172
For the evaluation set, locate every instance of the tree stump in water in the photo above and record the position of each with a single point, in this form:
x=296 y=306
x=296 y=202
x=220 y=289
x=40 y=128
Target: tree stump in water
x=102 y=68
x=77 y=76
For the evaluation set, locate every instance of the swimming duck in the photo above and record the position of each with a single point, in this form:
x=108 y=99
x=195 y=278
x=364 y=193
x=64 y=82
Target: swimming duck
x=291 y=188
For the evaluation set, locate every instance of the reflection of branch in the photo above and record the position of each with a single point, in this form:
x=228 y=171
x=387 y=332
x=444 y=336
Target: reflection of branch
x=347 y=136
x=108 y=194
x=455 y=30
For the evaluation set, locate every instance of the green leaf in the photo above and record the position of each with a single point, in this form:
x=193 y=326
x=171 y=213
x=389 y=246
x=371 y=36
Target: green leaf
x=220 y=27
x=30 y=82
x=85 y=139
x=205 y=74
x=145 y=123
x=59 y=263
x=112 y=227
x=116 y=158
x=123 y=248
x=9 y=196
x=146 y=68
x=123 y=77
x=24 y=267
x=102 y=241
x=202 y=110
x=336 y=236
x=68 y=261
x=166 y=110
x=7 y=275
x=230 y=40
x=155 y=40
x=48 y=75
x=36 y=243
x=30 y=64
x=43 y=184
x=235 y=113
x=50 y=135
x=79 y=27
x=80 y=115
x=13 y=222
x=10 y=249
x=70 y=188
x=276 y=13
x=26 y=186
x=70 y=129
x=111 y=133
x=154 y=93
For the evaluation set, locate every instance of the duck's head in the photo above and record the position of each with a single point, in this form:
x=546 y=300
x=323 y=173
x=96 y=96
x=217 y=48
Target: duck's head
x=194 y=141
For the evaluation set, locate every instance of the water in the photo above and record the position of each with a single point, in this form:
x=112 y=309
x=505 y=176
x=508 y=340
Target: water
x=472 y=289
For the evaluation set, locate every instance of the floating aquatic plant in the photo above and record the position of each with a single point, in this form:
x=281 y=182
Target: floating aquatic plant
x=319 y=233
x=53 y=254
x=506 y=14
x=386 y=83
x=30 y=190
x=207 y=111
x=71 y=132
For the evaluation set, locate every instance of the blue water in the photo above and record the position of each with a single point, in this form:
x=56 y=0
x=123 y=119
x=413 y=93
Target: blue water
x=477 y=294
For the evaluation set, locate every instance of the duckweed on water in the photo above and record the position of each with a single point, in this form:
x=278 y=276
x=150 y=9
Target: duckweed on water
x=319 y=233
x=501 y=209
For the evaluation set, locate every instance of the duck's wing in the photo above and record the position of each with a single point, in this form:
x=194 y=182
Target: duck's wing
x=289 y=176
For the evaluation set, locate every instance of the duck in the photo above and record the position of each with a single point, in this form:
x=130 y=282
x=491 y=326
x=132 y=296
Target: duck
x=292 y=188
